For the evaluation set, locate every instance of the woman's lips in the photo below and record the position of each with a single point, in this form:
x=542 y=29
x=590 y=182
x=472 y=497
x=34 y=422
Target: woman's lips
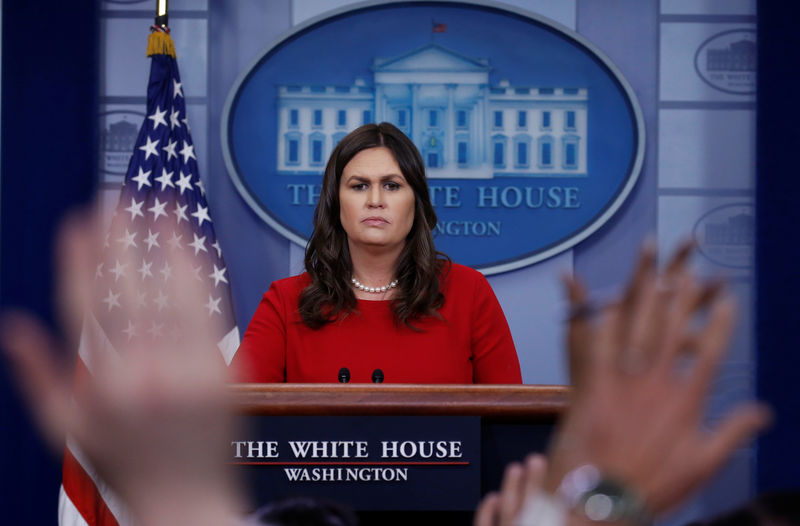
x=375 y=221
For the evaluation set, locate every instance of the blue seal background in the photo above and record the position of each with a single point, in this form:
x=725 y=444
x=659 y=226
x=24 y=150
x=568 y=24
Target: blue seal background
x=336 y=50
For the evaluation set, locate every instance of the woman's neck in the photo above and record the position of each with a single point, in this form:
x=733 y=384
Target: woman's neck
x=374 y=268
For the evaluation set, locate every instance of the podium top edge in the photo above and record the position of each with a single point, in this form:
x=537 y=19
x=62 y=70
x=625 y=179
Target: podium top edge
x=530 y=402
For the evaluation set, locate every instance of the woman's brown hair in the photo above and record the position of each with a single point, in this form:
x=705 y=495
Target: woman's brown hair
x=328 y=260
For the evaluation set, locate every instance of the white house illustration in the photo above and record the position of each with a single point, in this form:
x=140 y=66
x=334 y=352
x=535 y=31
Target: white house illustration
x=463 y=126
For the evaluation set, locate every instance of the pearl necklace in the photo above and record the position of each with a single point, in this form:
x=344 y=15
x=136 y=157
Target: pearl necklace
x=360 y=286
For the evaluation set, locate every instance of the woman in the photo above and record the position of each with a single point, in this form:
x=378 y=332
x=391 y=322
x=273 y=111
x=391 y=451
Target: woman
x=377 y=302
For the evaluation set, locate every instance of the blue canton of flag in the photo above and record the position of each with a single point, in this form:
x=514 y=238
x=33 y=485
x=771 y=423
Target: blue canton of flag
x=163 y=207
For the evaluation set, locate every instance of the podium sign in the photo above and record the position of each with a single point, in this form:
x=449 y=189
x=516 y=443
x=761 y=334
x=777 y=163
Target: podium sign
x=365 y=462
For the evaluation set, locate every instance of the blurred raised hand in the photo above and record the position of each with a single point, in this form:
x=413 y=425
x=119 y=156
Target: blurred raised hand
x=641 y=370
x=151 y=413
x=522 y=484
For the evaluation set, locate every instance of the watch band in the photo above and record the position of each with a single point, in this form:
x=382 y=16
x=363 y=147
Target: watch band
x=586 y=491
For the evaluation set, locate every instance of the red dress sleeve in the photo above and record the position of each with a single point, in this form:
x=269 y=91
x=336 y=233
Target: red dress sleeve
x=261 y=357
x=494 y=357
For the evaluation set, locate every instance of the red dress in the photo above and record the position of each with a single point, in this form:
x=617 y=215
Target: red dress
x=470 y=344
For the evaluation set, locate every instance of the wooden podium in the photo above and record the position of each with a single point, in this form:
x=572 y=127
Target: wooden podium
x=514 y=420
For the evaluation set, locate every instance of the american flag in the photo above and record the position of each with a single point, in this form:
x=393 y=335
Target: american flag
x=162 y=208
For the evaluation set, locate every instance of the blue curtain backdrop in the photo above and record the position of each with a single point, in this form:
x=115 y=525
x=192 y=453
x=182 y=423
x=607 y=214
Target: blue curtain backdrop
x=49 y=159
x=777 y=251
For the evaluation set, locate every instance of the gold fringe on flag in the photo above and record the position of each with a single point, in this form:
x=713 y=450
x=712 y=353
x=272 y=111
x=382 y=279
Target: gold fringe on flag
x=160 y=43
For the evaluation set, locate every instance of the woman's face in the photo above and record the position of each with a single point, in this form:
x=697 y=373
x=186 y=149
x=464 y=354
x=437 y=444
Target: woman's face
x=376 y=203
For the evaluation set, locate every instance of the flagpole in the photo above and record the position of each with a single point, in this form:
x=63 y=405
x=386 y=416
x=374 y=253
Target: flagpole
x=162 y=18
x=159 y=42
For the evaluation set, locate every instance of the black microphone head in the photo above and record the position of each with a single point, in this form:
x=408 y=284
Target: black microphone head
x=377 y=376
x=344 y=375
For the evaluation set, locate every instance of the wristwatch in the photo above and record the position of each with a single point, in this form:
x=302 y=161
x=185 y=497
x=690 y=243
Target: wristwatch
x=587 y=492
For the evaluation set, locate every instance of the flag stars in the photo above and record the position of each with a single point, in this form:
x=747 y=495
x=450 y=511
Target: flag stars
x=141 y=299
x=112 y=300
x=170 y=149
x=128 y=240
x=118 y=271
x=166 y=271
x=177 y=90
x=144 y=270
x=198 y=244
x=155 y=329
x=161 y=300
x=175 y=241
x=187 y=151
x=158 y=209
x=165 y=179
x=152 y=239
x=180 y=213
x=150 y=148
x=218 y=275
x=201 y=214
x=135 y=209
x=184 y=182
x=179 y=175
x=158 y=118
x=143 y=179
x=213 y=305
x=174 y=119
x=130 y=331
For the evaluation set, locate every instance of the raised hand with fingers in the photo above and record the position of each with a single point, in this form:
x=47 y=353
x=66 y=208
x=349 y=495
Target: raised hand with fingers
x=642 y=375
x=522 y=484
x=152 y=413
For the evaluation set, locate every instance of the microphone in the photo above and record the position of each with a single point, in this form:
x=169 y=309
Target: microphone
x=377 y=376
x=344 y=375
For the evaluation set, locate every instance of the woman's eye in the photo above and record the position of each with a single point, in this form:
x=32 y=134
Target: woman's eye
x=359 y=187
x=392 y=186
